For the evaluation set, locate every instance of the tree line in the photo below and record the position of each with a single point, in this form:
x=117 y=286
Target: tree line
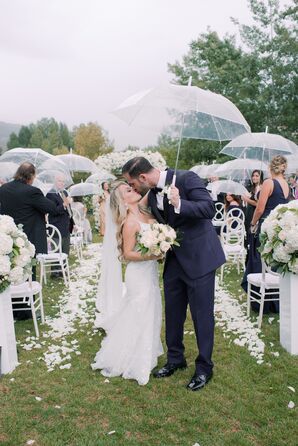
x=54 y=137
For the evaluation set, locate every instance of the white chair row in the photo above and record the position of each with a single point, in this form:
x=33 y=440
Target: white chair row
x=77 y=236
x=220 y=214
x=232 y=239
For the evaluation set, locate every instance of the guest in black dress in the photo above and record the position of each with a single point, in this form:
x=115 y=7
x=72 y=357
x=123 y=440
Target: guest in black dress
x=274 y=191
x=256 y=180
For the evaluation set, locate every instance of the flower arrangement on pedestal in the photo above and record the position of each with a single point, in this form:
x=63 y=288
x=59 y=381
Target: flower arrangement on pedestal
x=113 y=162
x=279 y=238
x=16 y=254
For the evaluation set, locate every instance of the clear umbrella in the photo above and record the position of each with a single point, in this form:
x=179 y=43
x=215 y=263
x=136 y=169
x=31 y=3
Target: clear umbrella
x=49 y=177
x=260 y=146
x=240 y=169
x=19 y=155
x=227 y=187
x=82 y=189
x=292 y=163
x=99 y=177
x=205 y=171
x=78 y=163
x=184 y=112
x=7 y=170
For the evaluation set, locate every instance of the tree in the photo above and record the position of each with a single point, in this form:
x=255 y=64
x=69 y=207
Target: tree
x=24 y=136
x=13 y=141
x=90 y=140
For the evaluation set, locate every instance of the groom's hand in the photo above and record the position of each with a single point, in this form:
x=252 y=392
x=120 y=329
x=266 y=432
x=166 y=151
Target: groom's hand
x=174 y=196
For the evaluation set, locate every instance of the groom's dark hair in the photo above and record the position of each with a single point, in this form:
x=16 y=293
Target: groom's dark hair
x=136 y=166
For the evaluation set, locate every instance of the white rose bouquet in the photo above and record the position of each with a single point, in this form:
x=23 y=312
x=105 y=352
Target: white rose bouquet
x=156 y=240
x=279 y=238
x=16 y=253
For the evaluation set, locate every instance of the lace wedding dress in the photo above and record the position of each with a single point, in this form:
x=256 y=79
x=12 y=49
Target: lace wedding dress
x=133 y=344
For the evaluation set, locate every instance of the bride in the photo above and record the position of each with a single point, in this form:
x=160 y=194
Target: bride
x=132 y=344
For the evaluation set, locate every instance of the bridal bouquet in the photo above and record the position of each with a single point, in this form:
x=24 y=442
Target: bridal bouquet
x=156 y=240
x=279 y=238
x=16 y=253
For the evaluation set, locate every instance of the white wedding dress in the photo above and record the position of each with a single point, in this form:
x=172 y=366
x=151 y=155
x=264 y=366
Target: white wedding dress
x=133 y=344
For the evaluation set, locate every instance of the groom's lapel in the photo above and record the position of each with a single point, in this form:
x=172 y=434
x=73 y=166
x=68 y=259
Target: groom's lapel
x=166 y=205
x=153 y=206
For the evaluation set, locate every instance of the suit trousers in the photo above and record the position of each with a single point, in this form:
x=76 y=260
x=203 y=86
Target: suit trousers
x=180 y=291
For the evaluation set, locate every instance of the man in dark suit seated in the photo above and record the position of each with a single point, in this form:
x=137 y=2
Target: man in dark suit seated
x=28 y=206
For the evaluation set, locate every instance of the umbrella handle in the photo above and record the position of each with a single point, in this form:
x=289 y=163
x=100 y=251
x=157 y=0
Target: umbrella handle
x=174 y=180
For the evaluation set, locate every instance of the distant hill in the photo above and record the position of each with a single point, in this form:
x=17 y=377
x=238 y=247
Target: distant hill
x=5 y=130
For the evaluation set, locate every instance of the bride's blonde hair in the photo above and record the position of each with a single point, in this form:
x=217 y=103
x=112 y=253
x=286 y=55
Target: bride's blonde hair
x=119 y=212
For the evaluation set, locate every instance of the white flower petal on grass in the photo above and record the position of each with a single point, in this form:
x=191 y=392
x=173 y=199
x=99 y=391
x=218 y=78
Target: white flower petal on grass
x=106 y=381
x=57 y=407
x=65 y=366
x=291 y=389
x=38 y=398
x=291 y=405
x=270 y=319
x=111 y=432
x=30 y=442
x=276 y=354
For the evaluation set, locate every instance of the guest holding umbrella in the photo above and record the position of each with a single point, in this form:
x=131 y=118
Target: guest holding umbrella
x=256 y=179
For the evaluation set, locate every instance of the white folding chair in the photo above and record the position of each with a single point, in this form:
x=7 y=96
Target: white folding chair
x=235 y=212
x=232 y=240
x=266 y=282
x=77 y=236
x=28 y=295
x=218 y=218
x=55 y=260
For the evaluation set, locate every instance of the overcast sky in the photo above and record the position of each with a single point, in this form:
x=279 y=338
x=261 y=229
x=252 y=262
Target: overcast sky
x=76 y=60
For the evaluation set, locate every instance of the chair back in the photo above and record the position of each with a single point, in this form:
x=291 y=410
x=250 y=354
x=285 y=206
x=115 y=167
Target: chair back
x=235 y=212
x=54 y=239
x=232 y=232
x=219 y=212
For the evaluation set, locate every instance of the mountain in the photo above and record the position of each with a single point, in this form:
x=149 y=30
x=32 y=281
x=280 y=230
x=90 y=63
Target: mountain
x=6 y=129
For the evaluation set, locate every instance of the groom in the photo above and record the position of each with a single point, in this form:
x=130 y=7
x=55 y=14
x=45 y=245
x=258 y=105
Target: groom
x=189 y=272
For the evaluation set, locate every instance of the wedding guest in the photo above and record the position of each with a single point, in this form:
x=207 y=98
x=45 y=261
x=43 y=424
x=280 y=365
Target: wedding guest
x=275 y=191
x=27 y=205
x=292 y=181
x=232 y=202
x=256 y=179
x=102 y=206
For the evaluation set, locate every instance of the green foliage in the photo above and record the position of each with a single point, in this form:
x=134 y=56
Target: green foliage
x=91 y=140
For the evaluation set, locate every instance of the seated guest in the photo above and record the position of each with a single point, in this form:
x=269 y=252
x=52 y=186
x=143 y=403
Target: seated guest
x=27 y=205
x=231 y=202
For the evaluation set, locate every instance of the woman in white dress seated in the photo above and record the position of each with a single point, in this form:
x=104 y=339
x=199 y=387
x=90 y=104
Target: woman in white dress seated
x=82 y=211
x=132 y=345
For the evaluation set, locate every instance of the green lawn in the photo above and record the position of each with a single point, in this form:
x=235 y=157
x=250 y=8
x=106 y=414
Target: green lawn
x=244 y=405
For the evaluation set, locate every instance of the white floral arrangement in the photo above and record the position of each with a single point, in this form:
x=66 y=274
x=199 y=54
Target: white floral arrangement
x=279 y=238
x=16 y=253
x=156 y=240
x=113 y=162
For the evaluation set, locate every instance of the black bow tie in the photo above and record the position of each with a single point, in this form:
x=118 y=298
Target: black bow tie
x=155 y=190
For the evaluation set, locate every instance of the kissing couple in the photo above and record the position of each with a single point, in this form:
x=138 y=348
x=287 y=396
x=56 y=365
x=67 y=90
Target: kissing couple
x=131 y=313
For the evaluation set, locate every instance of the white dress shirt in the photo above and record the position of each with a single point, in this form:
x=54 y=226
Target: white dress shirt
x=160 y=195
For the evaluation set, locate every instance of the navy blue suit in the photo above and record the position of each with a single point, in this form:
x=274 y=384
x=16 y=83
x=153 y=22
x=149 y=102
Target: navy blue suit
x=189 y=273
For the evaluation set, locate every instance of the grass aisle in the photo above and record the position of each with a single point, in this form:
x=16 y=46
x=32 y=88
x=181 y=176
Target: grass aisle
x=54 y=398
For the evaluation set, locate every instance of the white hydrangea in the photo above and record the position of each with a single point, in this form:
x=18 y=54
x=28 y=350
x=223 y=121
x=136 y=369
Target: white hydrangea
x=292 y=240
x=113 y=162
x=4 y=265
x=6 y=244
x=293 y=267
x=16 y=275
x=7 y=225
x=24 y=258
x=20 y=242
x=281 y=255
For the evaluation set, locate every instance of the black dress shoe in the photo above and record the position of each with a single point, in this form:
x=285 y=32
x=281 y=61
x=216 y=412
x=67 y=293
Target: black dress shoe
x=197 y=382
x=169 y=369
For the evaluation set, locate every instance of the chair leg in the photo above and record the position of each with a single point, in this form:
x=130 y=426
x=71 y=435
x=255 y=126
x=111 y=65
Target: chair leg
x=34 y=316
x=248 y=299
x=63 y=272
x=221 y=273
x=261 y=308
x=68 y=273
x=41 y=307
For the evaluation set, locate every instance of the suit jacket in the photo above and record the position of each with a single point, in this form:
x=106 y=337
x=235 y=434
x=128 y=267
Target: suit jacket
x=61 y=220
x=27 y=205
x=200 y=250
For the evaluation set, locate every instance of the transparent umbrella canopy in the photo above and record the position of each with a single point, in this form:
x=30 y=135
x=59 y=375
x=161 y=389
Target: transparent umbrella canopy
x=49 y=177
x=292 y=164
x=82 y=189
x=7 y=170
x=227 y=187
x=260 y=146
x=19 y=155
x=240 y=169
x=184 y=112
x=99 y=177
x=205 y=171
x=78 y=163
